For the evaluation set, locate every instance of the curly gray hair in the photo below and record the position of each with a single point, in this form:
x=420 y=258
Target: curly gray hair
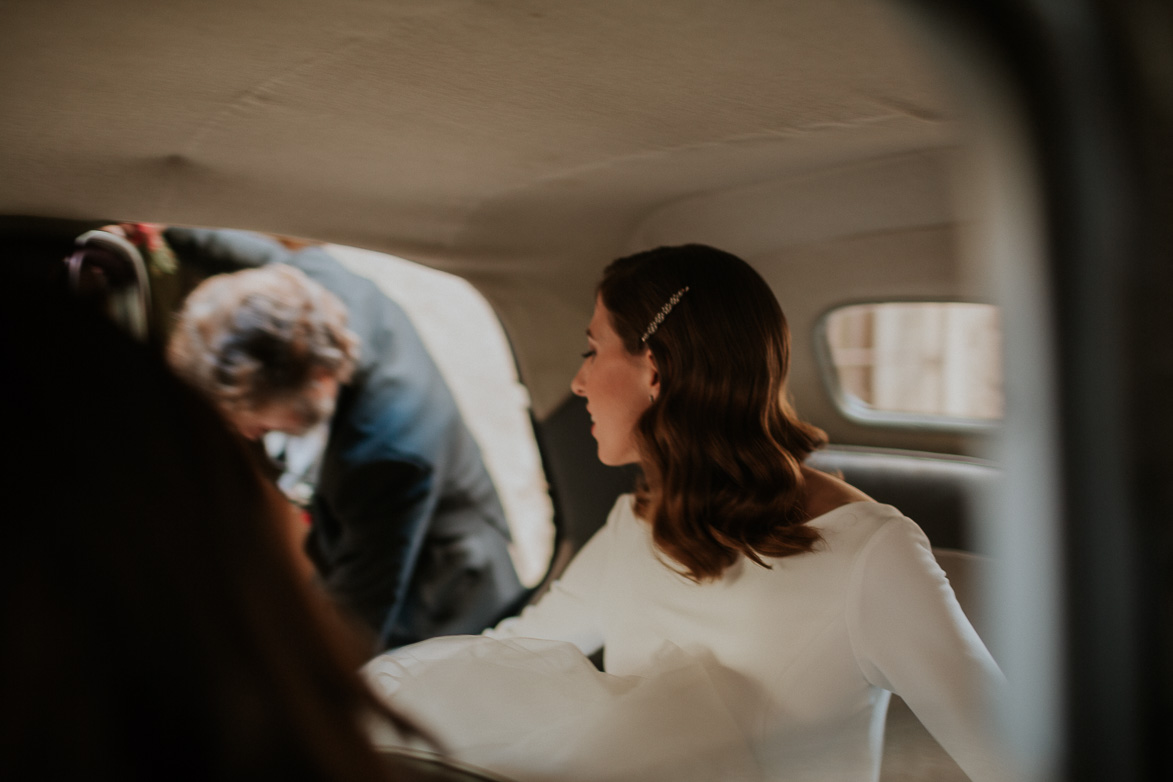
x=260 y=337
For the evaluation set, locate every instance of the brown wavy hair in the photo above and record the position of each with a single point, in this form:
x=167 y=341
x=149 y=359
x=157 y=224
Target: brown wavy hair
x=721 y=446
x=156 y=626
x=257 y=337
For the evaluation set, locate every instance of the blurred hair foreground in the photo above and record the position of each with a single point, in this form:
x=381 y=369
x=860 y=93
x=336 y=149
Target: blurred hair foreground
x=155 y=625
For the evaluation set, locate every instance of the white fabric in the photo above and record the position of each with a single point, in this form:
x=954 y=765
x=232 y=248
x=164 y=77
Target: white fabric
x=536 y=710
x=801 y=655
x=302 y=458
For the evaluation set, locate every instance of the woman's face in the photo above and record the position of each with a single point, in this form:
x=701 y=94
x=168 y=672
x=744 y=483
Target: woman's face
x=617 y=386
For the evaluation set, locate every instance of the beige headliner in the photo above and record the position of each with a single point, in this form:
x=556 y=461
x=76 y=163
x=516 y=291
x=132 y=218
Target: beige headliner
x=521 y=144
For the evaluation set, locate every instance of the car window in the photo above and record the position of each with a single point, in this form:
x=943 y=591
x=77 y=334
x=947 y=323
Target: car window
x=466 y=340
x=928 y=364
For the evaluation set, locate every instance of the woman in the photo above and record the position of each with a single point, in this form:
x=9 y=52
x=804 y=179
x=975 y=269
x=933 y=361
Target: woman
x=155 y=624
x=805 y=600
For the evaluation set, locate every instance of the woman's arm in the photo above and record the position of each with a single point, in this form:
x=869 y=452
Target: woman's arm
x=573 y=609
x=910 y=636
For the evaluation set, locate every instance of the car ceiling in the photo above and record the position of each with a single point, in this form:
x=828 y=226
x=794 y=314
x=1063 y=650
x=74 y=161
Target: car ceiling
x=522 y=144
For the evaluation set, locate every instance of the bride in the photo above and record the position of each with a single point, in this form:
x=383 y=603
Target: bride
x=754 y=613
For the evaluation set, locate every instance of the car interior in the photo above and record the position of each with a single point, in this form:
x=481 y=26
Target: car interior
x=860 y=155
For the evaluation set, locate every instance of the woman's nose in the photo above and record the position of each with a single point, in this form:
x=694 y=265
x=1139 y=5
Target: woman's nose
x=576 y=385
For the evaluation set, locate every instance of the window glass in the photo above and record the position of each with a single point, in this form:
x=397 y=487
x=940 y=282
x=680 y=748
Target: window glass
x=919 y=363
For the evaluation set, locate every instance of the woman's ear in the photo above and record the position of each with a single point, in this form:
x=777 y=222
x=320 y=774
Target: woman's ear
x=654 y=378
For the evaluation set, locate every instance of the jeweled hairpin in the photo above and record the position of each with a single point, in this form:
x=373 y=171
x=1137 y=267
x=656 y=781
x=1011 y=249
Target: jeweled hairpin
x=663 y=313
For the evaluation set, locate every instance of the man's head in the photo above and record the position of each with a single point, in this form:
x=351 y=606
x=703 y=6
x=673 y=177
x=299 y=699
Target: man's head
x=269 y=346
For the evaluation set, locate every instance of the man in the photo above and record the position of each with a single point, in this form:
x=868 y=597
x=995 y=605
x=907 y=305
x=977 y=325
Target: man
x=407 y=530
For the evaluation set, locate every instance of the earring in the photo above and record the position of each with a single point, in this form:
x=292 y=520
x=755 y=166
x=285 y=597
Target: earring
x=652 y=398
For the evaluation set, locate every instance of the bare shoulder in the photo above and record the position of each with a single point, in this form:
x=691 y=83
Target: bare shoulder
x=825 y=493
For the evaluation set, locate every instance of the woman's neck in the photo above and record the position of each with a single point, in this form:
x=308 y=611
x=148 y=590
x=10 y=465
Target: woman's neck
x=823 y=493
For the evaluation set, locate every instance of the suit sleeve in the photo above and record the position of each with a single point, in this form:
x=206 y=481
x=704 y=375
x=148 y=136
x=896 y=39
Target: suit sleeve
x=217 y=251
x=383 y=508
x=911 y=637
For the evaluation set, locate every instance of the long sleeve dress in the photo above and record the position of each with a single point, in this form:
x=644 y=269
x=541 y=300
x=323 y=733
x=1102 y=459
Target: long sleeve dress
x=802 y=655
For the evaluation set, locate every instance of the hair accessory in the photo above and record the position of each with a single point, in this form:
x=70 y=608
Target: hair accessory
x=663 y=313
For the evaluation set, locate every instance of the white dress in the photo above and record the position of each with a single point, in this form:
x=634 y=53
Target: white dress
x=779 y=673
